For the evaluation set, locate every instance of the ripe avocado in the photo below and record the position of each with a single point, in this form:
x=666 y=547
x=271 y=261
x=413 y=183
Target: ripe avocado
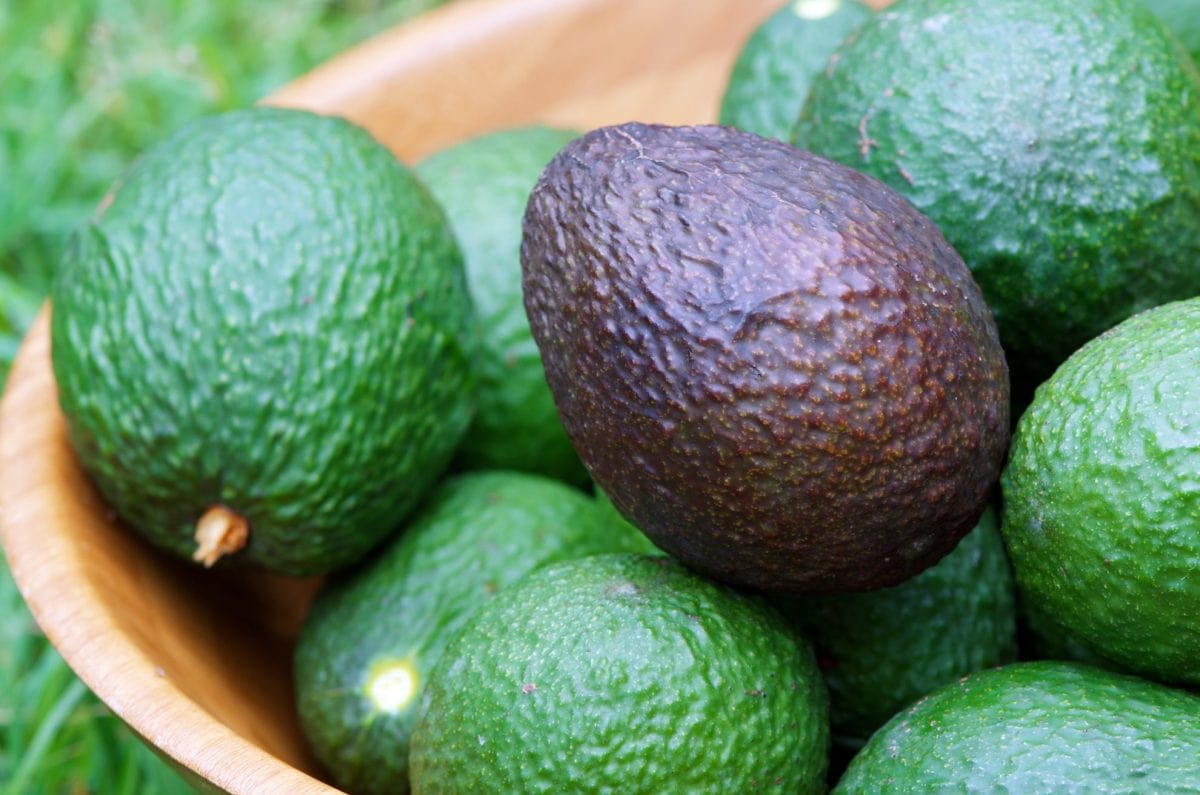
x=1040 y=726
x=374 y=632
x=773 y=365
x=622 y=673
x=770 y=77
x=483 y=184
x=1057 y=146
x=882 y=650
x=263 y=342
x=1101 y=498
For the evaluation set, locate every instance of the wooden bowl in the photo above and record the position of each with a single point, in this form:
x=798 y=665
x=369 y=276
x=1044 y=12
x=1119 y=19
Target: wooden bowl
x=198 y=662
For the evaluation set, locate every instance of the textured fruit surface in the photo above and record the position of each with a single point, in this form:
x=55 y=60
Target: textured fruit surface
x=268 y=314
x=622 y=673
x=1057 y=146
x=1039 y=726
x=374 y=632
x=483 y=185
x=623 y=525
x=1182 y=17
x=1102 y=493
x=773 y=365
x=882 y=650
x=769 y=80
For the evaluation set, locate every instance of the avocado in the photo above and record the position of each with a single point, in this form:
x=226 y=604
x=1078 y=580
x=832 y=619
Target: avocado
x=879 y=651
x=263 y=342
x=1057 y=146
x=769 y=80
x=483 y=184
x=773 y=365
x=1038 y=726
x=1101 y=498
x=374 y=632
x=622 y=673
x=1182 y=18
x=623 y=526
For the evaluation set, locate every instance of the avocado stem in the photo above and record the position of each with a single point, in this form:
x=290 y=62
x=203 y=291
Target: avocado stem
x=219 y=532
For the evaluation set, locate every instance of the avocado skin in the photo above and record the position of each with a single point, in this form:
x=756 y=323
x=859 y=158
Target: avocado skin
x=882 y=650
x=774 y=366
x=475 y=535
x=482 y=184
x=1056 y=145
x=1039 y=726
x=269 y=313
x=770 y=78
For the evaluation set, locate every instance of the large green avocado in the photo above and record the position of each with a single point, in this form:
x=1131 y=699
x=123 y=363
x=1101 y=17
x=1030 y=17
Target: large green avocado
x=1101 y=498
x=263 y=342
x=1040 y=726
x=1057 y=146
x=773 y=365
x=622 y=673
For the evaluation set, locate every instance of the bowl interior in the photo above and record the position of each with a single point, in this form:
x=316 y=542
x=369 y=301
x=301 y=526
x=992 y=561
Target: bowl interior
x=199 y=663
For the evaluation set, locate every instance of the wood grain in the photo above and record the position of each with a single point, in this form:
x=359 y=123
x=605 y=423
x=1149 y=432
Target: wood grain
x=199 y=662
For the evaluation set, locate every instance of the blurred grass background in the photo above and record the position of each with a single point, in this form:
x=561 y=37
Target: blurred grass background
x=86 y=85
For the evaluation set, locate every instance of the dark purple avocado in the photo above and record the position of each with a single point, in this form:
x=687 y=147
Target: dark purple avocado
x=774 y=365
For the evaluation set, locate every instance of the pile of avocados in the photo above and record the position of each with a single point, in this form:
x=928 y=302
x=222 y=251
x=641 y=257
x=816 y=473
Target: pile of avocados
x=851 y=443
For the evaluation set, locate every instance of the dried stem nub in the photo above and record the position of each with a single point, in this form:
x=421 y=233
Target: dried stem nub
x=219 y=532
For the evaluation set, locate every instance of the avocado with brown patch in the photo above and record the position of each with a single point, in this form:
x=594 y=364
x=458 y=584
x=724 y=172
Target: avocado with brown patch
x=774 y=365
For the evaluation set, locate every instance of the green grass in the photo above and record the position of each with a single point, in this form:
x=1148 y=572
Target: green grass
x=87 y=85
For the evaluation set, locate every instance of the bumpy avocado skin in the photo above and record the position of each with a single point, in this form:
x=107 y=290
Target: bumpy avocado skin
x=1057 y=146
x=1182 y=18
x=268 y=313
x=476 y=534
x=882 y=650
x=1041 y=726
x=771 y=75
x=483 y=184
x=773 y=365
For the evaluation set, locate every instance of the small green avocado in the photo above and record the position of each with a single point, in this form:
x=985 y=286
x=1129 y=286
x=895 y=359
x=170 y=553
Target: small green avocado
x=263 y=342
x=773 y=365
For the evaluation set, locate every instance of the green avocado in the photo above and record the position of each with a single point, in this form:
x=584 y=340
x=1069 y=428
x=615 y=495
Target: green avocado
x=769 y=80
x=1038 y=726
x=1057 y=146
x=1101 y=497
x=882 y=650
x=1182 y=17
x=374 y=632
x=774 y=366
x=622 y=673
x=483 y=185
x=263 y=342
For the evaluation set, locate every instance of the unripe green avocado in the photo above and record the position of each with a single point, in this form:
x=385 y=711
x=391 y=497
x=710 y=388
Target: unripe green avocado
x=482 y=184
x=1039 y=726
x=773 y=365
x=622 y=673
x=263 y=341
x=1056 y=144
